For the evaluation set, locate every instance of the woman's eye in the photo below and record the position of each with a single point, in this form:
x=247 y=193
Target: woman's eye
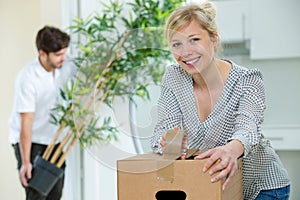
x=176 y=45
x=194 y=40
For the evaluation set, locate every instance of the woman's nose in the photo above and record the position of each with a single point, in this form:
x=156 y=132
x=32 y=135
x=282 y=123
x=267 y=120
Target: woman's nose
x=186 y=51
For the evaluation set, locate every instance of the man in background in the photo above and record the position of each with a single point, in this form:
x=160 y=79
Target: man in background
x=36 y=92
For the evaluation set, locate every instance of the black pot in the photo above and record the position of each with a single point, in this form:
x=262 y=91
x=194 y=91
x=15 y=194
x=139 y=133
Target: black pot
x=44 y=176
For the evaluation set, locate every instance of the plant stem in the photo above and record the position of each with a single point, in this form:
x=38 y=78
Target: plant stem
x=67 y=137
x=86 y=103
x=63 y=157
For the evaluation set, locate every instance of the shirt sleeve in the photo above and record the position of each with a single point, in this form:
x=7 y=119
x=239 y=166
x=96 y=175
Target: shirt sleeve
x=25 y=95
x=250 y=113
x=169 y=116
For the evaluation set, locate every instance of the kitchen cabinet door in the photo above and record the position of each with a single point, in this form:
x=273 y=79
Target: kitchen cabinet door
x=275 y=29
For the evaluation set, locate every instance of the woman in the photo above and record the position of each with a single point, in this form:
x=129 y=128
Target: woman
x=219 y=104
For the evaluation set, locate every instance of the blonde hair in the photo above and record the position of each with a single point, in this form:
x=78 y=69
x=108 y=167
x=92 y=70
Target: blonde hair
x=204 y=14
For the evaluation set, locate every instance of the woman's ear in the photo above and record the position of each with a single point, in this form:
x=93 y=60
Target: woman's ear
x=215 y=39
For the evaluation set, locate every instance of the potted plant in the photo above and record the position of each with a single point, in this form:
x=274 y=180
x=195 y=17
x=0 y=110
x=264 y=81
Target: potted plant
x=117 y=56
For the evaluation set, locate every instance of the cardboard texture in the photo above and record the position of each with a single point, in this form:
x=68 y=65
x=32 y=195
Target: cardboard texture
x=142 y=178
x=151 y=176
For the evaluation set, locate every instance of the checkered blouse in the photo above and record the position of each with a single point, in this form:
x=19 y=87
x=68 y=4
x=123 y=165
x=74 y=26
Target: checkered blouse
x=238 y=114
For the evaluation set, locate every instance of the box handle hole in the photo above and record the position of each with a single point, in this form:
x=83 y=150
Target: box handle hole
x=170 y=194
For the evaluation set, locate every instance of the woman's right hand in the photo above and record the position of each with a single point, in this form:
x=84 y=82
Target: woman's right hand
x=163 y=141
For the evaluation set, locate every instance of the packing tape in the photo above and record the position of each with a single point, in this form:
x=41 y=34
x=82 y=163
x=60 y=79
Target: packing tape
x=172 y=151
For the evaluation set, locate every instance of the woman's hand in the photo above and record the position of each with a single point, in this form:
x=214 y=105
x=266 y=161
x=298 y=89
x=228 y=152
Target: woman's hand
x=225 y=158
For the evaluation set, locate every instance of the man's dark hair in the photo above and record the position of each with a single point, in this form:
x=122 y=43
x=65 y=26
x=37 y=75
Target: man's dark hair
x=51 y=39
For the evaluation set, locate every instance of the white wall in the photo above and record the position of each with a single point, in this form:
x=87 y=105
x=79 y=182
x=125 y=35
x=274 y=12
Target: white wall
x=19 y=22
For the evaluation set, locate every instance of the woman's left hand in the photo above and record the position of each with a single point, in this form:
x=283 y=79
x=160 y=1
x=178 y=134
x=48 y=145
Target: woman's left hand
x=222 y=161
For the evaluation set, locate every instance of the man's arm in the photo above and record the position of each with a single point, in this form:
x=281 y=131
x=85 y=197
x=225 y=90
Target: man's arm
x=25 y=146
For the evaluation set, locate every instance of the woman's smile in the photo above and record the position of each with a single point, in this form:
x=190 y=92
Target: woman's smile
x=191 y=61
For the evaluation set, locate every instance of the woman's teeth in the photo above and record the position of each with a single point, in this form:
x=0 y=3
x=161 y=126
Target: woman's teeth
x=192 y=61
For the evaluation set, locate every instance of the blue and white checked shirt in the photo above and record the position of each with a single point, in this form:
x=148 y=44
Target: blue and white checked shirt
x=238 y=114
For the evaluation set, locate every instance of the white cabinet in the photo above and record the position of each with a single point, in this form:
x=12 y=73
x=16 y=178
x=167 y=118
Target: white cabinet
x=285 y=138
x=271 y=27
x=275 y=29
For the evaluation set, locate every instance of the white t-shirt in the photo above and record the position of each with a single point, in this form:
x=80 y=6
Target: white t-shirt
x=37 y=90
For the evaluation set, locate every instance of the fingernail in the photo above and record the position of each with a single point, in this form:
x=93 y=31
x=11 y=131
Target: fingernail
x=212 y=180
x=176 y=128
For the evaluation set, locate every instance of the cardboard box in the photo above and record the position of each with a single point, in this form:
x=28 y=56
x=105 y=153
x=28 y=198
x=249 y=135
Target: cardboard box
x=151 y=176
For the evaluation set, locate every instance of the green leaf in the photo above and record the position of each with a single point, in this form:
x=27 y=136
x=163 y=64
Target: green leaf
x=129 y=66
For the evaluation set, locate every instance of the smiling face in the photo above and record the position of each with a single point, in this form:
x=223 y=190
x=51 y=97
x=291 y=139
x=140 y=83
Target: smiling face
x=193 y=47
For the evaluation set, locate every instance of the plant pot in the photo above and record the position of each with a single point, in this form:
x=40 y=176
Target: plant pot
x=44 y=176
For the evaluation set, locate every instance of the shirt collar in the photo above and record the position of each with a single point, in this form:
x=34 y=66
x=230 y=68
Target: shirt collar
x=40 y=70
